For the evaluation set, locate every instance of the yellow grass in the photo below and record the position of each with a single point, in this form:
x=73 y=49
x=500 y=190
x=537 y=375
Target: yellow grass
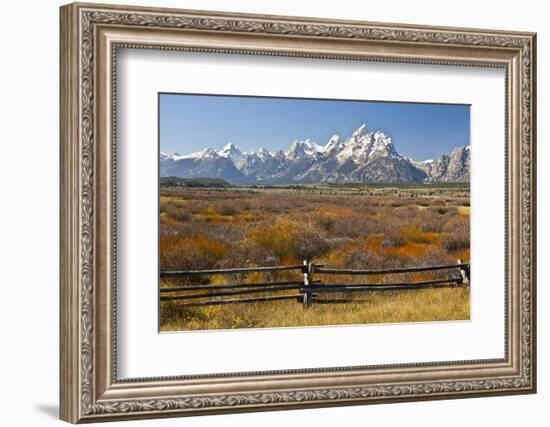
x=464 y=210
x=383 y=307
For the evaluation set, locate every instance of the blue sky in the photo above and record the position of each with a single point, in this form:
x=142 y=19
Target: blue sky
x=190 y=123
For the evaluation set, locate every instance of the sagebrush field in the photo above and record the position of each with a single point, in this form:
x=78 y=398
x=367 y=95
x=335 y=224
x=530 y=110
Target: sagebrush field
x=361 y=227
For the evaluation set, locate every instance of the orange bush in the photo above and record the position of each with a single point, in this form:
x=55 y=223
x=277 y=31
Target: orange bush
x=415 y=234
x=189 y=253
x=333 y=212
x=411 y=250
x=374 y=243
x=289 y=239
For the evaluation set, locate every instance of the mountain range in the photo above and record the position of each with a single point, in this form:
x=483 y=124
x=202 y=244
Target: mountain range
x=365 y=157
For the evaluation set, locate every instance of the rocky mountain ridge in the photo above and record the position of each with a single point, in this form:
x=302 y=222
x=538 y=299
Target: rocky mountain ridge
x=366 y=157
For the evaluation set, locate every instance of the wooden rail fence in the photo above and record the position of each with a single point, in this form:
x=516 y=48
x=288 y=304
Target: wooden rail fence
x=308 y=290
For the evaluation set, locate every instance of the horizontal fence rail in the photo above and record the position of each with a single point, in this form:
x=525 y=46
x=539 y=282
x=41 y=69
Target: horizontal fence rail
x=265 y=289
x=297 y=298
x=310 y=290
x=229 y=271
x=384 y=286
x=322 y=270
x=228 y=286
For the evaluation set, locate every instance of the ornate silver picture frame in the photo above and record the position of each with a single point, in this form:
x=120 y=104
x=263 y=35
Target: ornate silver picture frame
x=91 y=36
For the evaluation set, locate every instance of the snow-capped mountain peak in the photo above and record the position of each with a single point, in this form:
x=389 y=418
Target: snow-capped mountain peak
x=228 y=148
x=382 y=145
x=171 y=157
x=263 y=153
x=381 y=138
x=360 y=131
x=334 y=145
x=302 y=149
x=231 y=152
x=279 y=155
x=363 y=146
x=357 y=147
x=207 y=152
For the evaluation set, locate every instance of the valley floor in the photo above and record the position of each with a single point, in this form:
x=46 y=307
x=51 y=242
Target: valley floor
x=358 y=227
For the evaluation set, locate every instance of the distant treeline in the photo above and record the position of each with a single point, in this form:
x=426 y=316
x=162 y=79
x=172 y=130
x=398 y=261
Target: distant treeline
x=402 y=185
x=451 y=185
x=172 y=181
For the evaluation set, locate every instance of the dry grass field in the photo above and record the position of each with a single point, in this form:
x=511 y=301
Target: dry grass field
x=361 y=227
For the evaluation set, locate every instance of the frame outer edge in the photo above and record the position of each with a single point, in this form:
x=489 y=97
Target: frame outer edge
x=533 y=207
x=77 y=343
x=69 y=355
x=291 y=18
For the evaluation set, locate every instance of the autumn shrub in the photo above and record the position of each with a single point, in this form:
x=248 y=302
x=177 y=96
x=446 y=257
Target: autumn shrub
x=457 y=234
x=452 y=242
x=226 y=232
x=190 y=253
x=310 y=244
x=338 y=258
x=460 y=202
x=429 y=222
x=405 y=253
x=164 y=205
x=248 y=254
x=276 y=204
x=347 y=227
x=355 y=226
x=365 y=259
x=435 y=256
x=393 y=240
x=443 y=210
x=326 y=222
x=180 y=215
x=415 y=234
x=227 y=209
x=372 y=243
x=325 y=216
x=289 y=238
x=401 y=217
x=458 y=224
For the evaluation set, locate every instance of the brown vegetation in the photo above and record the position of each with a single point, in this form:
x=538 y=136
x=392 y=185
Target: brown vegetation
x=224 y=228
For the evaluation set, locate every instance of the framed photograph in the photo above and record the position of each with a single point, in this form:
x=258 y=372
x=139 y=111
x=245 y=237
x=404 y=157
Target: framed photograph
x=266 y=212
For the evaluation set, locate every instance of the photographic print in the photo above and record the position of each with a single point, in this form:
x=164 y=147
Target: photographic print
x=278 y=212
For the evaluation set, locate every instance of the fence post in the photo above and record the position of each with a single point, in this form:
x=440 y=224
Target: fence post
x=464 y=272
x=308 y=273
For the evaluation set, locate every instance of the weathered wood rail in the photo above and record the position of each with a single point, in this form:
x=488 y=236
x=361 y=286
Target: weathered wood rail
x=308 y=289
